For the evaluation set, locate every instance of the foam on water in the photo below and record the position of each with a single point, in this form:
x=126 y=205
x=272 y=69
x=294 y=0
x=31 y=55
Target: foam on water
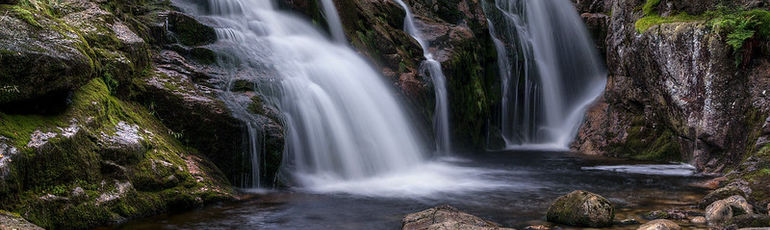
x=649 y=169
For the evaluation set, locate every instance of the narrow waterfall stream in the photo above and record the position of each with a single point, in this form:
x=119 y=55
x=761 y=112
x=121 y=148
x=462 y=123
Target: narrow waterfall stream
x=433 y=68
x=333 y=19
x=555 y=72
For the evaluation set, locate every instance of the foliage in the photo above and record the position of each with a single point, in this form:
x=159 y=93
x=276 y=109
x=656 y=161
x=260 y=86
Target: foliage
x=649 y=6
x=739 y=27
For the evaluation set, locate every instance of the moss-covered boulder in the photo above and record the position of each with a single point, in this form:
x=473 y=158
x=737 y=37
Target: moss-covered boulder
x=720 y=194
x=190 y=32
x=583 y=209
x=101 y=161
x=40 y=55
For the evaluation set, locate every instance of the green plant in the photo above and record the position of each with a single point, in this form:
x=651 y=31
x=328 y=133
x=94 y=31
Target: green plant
x=740 y=27
x=649 y=6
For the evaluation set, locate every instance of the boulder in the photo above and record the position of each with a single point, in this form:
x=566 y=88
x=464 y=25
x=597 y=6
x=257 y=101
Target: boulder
x=720 y=194
x=718 y=213
x=739 y=205
x=581 y=208
x=659 y=224
x=698 y=220
x=189 y=31
x=446 y=217
x=38 y=60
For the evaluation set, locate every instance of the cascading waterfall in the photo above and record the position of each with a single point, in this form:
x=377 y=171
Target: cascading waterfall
x=433 y=67
x=549 y=69
x=333 y=19
x=343 y=121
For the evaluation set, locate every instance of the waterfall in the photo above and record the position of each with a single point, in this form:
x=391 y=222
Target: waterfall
x=333 y=19
x=433 y=68
x=549 y=69
x=343 y=121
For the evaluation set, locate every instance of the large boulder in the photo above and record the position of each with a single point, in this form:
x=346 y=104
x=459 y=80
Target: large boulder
x=659 y=225
x=39 y=56
x=446 y=217
x=718 y=213
x=720 y=194
x=102 y=161
x=583 y=209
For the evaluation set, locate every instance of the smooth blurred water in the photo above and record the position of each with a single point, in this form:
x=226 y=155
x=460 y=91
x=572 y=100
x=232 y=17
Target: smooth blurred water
x=432 y=68
x=342 y=120
x=511 y=188
x=549 y=67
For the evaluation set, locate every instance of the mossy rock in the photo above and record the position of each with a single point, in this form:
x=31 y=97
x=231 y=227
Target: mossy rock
x=40 y=58
x=100 y=161
x=191 y=32
x=582 y=209
x=720 y=194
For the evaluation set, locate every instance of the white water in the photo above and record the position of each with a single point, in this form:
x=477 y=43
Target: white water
x=345 y=131
x=557 y=76
x=656 y=169
x=441 y=112
x=333 y=19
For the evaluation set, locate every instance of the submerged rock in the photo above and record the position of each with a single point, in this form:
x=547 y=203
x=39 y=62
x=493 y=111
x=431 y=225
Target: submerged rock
x=446 y=217
x=698 y=220
x=659 y=224
x=581 y=208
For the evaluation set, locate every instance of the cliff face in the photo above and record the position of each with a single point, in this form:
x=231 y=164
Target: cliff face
x=679 y=88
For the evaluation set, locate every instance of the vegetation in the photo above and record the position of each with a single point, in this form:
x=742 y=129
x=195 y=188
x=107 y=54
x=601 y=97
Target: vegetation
x=649 y=6
x=740 y=28
x=648 y=22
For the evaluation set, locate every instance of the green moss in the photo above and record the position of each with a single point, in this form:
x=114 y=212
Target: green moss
x=647 y=22
x=156 y=170
x=649 y=6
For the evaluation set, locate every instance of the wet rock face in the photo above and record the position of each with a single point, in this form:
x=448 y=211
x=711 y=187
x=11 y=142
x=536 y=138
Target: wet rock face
x=659 y=225
x=583 y=209
x=674 y=93
x=446 y=218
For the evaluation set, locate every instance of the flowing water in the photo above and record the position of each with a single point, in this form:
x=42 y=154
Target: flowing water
x=433 y=68
x=516 y=190
x=549 y=68
x=354 y=157
x=333 y=19
x=343 y=121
